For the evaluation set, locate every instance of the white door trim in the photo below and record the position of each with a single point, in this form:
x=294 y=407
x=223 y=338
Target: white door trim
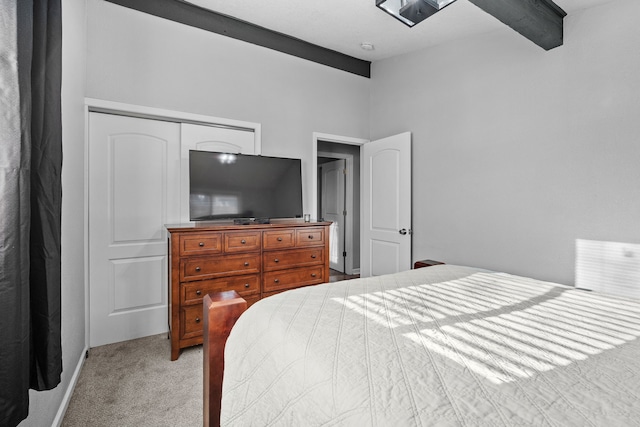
x=313 y=202
x=123 y=109
x=132 y=110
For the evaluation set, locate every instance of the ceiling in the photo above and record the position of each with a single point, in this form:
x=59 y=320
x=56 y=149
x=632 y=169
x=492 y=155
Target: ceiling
x=343 y=25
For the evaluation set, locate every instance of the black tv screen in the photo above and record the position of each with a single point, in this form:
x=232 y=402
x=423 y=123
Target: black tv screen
x=230 y=186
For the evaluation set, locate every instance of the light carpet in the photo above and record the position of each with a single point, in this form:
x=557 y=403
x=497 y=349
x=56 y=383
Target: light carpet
x=134 y=383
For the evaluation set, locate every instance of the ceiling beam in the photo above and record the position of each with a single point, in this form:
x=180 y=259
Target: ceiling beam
x=538 y=20
x=194 y=16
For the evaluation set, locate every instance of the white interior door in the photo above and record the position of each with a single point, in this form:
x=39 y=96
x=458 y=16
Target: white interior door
x=211 y=138
x=386 y=206
x=332 y=175
x=133 y=193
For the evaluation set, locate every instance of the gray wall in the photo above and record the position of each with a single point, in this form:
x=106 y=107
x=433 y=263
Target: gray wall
x=518 y=152
x=141 y=59
x=44 y=406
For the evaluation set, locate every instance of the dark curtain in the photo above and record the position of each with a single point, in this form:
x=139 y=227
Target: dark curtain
x=30 y=204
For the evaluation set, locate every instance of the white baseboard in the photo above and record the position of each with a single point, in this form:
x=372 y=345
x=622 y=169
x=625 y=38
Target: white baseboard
x=355 y=271
x=57 y=421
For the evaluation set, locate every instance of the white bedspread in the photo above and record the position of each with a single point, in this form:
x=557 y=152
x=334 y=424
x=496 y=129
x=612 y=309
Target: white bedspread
x=437 y=346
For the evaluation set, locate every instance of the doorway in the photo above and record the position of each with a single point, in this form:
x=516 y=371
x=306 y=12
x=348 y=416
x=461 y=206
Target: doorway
x=338 y=201
x=393 y=161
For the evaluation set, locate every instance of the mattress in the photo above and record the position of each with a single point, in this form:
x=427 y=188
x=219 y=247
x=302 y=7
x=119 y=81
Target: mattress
x=437 y=346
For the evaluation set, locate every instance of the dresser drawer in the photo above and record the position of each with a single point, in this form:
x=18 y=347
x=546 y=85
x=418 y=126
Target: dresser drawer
x=293 y=278
x=193 y=292
x=243 y=241
x=191 y=321
x=278 y=260
x=310 y=236
x=279 y=239
x=197 y=268
x=200 y=243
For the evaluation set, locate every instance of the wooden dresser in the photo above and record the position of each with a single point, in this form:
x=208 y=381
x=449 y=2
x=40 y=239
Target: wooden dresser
x=256 y=260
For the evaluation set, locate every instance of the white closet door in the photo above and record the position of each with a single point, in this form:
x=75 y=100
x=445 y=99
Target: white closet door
x=133 y=192
x=211 y=138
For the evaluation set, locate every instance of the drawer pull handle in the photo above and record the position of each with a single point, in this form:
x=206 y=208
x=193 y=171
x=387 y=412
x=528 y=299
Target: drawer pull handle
x=201 y=244
x=276 y=280
x=197 y=320
x=243 y=241
x=310 y=236
x=313 y=256
x=246 y=285
x=198 y=292
x=197 y=268
x=276 y=260
x=313 y=274
x=246 y=263
x=279 y=239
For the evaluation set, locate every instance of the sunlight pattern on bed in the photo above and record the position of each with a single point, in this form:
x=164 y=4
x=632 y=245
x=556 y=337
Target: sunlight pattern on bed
x=554 y=332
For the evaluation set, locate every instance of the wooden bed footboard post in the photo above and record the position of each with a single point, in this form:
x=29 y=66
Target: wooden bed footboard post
x=221 y=310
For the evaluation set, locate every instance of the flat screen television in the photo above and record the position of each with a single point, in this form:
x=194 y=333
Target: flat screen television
x=244 y=187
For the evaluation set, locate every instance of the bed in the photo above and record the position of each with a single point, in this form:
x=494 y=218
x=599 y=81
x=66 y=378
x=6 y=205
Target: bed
x=438 y=346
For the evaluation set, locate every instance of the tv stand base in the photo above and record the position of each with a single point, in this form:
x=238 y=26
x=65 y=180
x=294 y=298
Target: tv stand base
x=247 y=221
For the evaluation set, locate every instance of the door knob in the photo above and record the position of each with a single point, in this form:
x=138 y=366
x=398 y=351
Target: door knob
x=403 y=231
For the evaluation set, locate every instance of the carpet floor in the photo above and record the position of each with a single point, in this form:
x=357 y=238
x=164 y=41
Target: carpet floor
x=134 y=383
